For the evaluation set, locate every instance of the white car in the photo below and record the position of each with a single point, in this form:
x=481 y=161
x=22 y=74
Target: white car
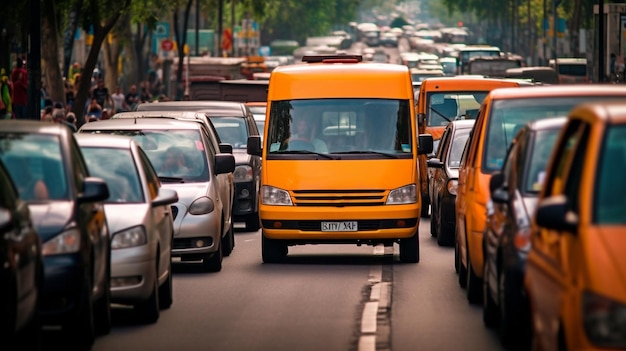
x=141 y=243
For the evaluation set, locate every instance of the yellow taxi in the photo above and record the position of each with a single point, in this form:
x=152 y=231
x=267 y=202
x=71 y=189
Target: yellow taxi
x=502 y=114
x=576 y=270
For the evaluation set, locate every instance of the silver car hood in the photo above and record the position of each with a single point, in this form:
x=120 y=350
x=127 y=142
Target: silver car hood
x=188 y=193
x=119 y=215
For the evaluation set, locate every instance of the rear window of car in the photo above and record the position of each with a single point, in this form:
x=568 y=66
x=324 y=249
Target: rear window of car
x=456 y=149
x=232 y=130
x=610 y=188
x=542 y=145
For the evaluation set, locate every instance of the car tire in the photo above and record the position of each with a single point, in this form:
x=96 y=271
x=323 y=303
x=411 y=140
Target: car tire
x=433 y=224
x=490 y=309
x=166 y=291
x=253 y=222
x=148 y=310
x=81 y=331
x=444 y=237
x=228 y=241
x=273 y=251
x=509 y=311
x=425 y=206
x=474 y=283
x=102 y=307
x=213 y=262
x=410 y=249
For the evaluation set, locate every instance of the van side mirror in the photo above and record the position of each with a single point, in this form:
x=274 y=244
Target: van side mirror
x=421 y=118
x=496 y=181
x=553 y=213
x=254 y=145
x=425 y=144
x=226 y=148
x=499 y=193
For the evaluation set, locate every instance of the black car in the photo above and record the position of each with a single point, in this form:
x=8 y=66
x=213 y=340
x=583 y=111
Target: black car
x=444 y=175
x=506 y=240
x=21 y=269
x=50 y=174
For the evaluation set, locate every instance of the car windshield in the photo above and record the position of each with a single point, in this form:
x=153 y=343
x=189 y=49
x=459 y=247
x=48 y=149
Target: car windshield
x=508 y=116
x=35 y=163
x=542 y=144
x=373 y=128
x=443 y=107
x=117 y=167
x=232 y=130
x=177 y=153
x=456 y=149
x=610 y=189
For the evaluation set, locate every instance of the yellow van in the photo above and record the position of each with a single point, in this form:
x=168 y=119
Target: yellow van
x=576 y=270
x=340 y=157
x=441 y=100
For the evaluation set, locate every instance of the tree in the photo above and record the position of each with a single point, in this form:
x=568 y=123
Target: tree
x=181 y=40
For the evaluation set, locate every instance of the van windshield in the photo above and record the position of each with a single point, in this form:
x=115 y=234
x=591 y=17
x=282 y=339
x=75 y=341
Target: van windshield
x=443 y=107
x=373 y=128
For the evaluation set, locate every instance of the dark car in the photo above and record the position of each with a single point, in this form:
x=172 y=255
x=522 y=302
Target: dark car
x=21 y=268
x=51 y=175
x=444 y=178
x=234 y=128
x=506 y=241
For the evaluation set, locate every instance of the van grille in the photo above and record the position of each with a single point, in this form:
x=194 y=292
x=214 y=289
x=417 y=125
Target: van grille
x=339 y=198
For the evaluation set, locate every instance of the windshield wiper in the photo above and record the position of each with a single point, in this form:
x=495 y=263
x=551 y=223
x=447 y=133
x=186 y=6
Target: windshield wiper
x=305 y=152
x=171 y=179
x=386 y=154
x=440 y=114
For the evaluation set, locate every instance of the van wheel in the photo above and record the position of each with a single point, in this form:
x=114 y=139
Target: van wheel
x=272 y=251
x=253 y=223
x=410 y=249
x=462 y=268
x=213 y=262
x=474 y=284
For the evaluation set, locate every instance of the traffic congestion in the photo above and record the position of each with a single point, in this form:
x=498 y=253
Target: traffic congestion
x=388 y=185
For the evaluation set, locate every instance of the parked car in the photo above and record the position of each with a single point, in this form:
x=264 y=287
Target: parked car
x=141 y=244
x=21 y=269
x=186 y=161
x=506 y=240
x=443 y=181
x=50 y=173
x=501 y=114
x=575 y=277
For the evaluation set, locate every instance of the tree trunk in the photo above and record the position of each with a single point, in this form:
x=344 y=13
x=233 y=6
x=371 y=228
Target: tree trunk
x=50 y=53
x=574 y=28
x=131 y=62
x=85 y=83
x=181 y=43
x=111 y=54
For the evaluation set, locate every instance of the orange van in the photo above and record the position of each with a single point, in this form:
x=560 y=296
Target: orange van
x=441 y=100
x=502 y=113
x=339 y=157
x=576 y=271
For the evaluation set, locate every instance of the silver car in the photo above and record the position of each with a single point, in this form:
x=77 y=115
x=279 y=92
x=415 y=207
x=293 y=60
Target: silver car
x=186 y=161
x=141 y=244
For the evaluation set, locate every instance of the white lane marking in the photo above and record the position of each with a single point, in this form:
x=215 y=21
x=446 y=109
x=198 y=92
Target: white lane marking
x=368 y=321
x=376 y=274
x=367 y=343
x=375 y=292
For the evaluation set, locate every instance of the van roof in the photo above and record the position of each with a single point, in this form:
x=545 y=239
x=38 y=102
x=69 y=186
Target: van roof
x=559 y=91
x=470 y=83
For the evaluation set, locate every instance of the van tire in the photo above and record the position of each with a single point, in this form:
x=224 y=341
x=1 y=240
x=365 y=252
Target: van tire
x=474 y=285
x=253 y=223
x=272 y=251
x=410 y=249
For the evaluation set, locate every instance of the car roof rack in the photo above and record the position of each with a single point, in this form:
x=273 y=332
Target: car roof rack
x=332 y=58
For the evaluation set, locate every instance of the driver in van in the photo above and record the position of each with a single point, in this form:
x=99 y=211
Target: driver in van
x=305 y=131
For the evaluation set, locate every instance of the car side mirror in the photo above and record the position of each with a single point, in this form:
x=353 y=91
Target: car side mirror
x=226 y=148
x=434 y=163
x=94 y=190
x=500 y=196
x=254 y=145
x=224 y=163
x=165 y=197
x=553 y=213
x=425 y=144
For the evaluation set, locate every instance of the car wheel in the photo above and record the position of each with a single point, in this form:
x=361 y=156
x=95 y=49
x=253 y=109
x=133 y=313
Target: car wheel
x=272 y=251
x=102 y=307
x=166 y=296
x=433 y=223
x=228 y=241
x=80 y=331
x=444 y=237
x=253 y=223
x=510 y=314
x=213 y=262
x=148 y=310
x=410 y=249
x=425 y=206
x=474 y=284
x=490 y=310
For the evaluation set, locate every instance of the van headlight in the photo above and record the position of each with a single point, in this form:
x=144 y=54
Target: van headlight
x=275 y=196
x=604 y=320
x=64 y=243
x=404 y=195
x=242 y=174
x=201 y=205
x=135 y=236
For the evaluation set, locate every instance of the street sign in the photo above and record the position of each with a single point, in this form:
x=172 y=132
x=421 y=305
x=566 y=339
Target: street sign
x=167 y=45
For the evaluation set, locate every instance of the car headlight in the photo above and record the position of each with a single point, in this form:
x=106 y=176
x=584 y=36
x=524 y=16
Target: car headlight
x=452 y=186
x=275 y=196
x=64 y=243
x=404 y=195
x=202 y=205
x=604 y=320
x=135 y=236
x=243 y=174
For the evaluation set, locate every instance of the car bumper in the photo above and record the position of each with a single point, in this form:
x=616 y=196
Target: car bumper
x=62 y=288
x=195 y=234
x=132 y=274
x=245 y=201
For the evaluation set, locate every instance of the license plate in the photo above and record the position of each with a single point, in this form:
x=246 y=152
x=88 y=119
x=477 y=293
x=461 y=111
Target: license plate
x=349 y=226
